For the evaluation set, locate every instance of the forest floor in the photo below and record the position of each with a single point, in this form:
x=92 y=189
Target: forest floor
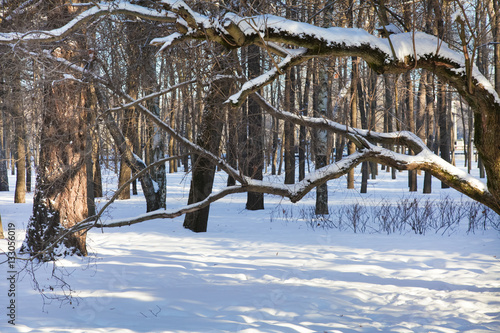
x=281 y=269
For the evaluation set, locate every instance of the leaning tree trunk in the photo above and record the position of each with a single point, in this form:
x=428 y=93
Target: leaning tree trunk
x=60 y=200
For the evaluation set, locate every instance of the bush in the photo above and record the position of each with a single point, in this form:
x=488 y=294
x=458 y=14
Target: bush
x=418 y=215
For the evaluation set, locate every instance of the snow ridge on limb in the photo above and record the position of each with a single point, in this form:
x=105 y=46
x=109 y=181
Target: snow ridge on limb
x=366 y=141
x=357 y=135
x=293 y=192
x=100 y=9
x=167 y=41
x=396 y=54
x=260 y=81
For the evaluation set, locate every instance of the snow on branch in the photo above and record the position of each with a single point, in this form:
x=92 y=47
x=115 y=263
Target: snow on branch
x=294 y=192
x=266 y=78
x=367 y=142
x=152 y=95
x=103 y=8
x=167 y=214
x=398 y=53
x=357 y=135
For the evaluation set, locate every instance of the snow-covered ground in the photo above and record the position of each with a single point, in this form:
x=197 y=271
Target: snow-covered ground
x=264 y=271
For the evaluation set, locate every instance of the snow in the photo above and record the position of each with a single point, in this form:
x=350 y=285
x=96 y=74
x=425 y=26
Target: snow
x=264 y=271
x=391 y=27
x=166 y=41
x=100 y=9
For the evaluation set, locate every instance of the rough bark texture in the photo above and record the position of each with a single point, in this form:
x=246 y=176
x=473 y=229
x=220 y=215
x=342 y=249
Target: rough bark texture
x=60 y=200
x=130 y=117
x=61 y=196
x=156 y=142
x=304 y=106
x=209 y=138
x=4 y=177
x=255 y=154
x=19 y=137
x=351 y=148
x=321 y=143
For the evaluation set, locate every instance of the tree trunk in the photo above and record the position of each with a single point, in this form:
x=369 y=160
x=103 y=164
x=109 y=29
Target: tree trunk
x=28 y=169
x=444 y=129
x=302 y=129
x=172 y=167
x=351 y=148
x=364 y=125
x=289 y=128
x=493 y=8
x=96 y=174
x=410 y=113
x=255 y=201
x=429 y=126
x=4 y=177
x=320 y=140
x=275 y=145
x=388 y=114
x=130 y=118
x=61 y=193
x=60 y=199
x=128 y=157
x=19 y=137
x=373 y=115
x=89 y=162
x=209 y=138
x=232 y=143
x=155 y=138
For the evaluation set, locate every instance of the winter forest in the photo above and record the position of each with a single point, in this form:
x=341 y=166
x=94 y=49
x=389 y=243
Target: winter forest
x=250 y=166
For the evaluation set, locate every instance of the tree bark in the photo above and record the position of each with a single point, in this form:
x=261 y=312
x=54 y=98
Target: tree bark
x=320 y=140
x=255 y=201
x=19 y=138
x=130 y=118
x=364 y=124
x=289 y=128
x=60 y=199
x=302 y=129
x=444 y=127
x=4 y=177
x=351 y=148
x=156 y=142
x=410 y=113
x=429 y=126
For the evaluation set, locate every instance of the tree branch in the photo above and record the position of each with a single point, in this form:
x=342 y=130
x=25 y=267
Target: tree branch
x=367 y=144
x=100 y=9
